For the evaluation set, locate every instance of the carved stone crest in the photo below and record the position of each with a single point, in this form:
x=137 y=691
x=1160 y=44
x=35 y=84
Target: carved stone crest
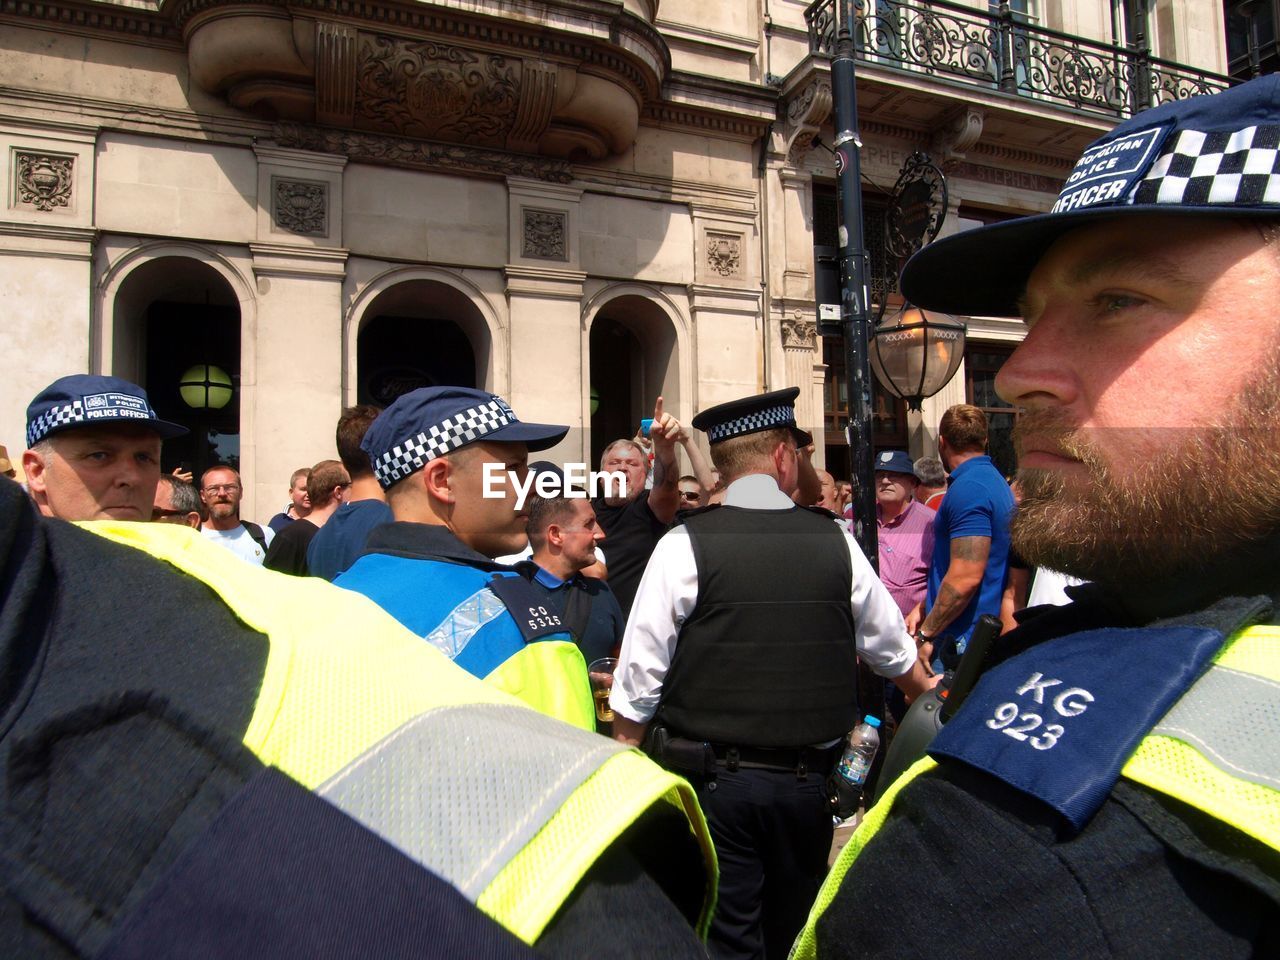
x=799 y=333
x=44 y=180
x=544 y=235
x=436 y=90
x=724 y=253
x=300 y=206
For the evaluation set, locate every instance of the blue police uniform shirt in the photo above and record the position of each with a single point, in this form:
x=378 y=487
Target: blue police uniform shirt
x=440 y=589
x=605 y=622
x=341 y=540
x=978 y=504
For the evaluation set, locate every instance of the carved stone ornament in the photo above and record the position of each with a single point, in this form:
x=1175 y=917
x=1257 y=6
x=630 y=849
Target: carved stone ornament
x=806 y=112
x=420 y=154
x=301 y=206
x=957 y=134
x=436 y=90
x=724 y=253
x=799 y=333
x=544 y=235
x=44 y=180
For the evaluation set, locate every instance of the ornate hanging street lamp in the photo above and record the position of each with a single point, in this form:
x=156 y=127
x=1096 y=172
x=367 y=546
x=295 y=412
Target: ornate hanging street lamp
x=914 y=354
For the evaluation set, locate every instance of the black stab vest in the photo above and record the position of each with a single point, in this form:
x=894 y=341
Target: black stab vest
x=767 y=658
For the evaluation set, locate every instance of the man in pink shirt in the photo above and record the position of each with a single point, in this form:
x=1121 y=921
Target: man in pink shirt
x=905 y=530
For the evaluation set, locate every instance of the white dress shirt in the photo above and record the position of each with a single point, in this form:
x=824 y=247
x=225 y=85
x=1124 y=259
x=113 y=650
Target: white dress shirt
x=669 y=591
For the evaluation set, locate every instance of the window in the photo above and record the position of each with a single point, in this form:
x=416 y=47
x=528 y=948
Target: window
x=1251 y=38
x=826 y=227
x=982 y=361
x=888 y=413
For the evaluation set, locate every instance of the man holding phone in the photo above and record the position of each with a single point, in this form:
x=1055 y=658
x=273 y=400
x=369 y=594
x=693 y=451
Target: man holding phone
x=634 y=520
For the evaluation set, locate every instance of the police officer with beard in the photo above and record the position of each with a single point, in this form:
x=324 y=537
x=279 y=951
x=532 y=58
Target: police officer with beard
x=1111 y=786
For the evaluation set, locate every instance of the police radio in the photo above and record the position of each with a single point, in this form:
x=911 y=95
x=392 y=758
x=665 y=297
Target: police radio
x=933 y=709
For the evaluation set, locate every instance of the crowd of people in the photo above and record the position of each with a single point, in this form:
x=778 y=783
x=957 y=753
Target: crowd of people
x=395 y=751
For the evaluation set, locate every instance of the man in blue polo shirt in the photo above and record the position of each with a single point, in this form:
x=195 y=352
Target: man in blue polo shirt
x=971 y=553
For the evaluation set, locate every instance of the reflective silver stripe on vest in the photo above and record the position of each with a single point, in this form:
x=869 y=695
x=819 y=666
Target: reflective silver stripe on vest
x=464 y=622
x=462 y=789
x=1233 y=718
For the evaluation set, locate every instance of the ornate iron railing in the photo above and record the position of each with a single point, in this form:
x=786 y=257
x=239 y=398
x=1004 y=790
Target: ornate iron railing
x=1002 y=51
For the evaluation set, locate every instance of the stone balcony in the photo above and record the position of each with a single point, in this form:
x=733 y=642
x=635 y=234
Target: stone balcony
x=566 y=79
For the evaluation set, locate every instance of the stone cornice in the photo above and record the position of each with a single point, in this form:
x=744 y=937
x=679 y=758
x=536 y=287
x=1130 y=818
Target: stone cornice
x=47 y=240
x=668 y=114
x=548 y=283
x=420 y=154
x=76 y=16
x=751 y=99
x=289 y=260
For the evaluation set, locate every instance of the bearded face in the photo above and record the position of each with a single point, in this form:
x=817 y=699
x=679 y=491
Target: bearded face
x=1149 y=442
x=1208 y=492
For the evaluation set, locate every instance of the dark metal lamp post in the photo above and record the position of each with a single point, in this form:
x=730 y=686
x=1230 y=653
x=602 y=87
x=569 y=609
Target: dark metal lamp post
x=914 y=353
x=854 y=308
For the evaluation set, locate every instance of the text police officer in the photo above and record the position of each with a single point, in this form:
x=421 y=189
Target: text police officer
x=743 y=644
x=1110 y=787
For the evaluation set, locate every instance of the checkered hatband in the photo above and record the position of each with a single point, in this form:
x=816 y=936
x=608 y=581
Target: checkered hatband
x=453 y=432
x=52 y=419
x=1223 y=168
x=767 y=419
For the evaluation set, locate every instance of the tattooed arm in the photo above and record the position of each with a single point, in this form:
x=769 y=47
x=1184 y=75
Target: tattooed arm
x=666 y=432
x=964 y=576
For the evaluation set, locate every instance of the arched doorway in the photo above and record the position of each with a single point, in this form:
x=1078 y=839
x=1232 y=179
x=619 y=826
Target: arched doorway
x=419 y=333
x=176 y=321
x=633 y=362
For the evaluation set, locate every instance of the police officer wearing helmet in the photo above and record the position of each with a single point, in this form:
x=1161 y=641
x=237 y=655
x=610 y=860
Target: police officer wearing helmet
x=739 y=663
x=1111 y=787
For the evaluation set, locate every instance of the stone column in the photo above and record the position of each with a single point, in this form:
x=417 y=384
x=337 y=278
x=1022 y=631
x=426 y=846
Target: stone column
x=544 y=298
x=46 y=276
x=47 y=241
x=724 y=320
x=923 y=440
x=802 y=362
x=546 y=353
x=726 y=304
x=291 y=377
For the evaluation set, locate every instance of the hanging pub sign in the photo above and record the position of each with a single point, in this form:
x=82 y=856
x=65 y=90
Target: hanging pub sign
x=913 y=217
x=918 y=206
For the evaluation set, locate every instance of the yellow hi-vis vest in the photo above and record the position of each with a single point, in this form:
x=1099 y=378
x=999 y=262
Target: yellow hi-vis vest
x=1217 y=749
x=508 y=805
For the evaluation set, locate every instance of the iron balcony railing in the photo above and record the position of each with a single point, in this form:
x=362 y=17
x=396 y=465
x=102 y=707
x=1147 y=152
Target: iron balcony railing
x=1000 y=50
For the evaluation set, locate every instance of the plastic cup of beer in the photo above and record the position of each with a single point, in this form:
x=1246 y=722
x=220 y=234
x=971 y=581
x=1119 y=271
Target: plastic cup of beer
x=600 y=672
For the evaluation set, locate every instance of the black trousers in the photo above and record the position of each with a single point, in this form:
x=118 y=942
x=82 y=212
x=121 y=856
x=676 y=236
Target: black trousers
x=772 y=833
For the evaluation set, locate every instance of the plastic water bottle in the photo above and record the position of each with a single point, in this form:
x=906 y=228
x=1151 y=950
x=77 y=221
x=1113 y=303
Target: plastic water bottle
x=851 y=771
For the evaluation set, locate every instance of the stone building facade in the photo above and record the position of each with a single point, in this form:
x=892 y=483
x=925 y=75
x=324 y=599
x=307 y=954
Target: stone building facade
x=579 y=204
